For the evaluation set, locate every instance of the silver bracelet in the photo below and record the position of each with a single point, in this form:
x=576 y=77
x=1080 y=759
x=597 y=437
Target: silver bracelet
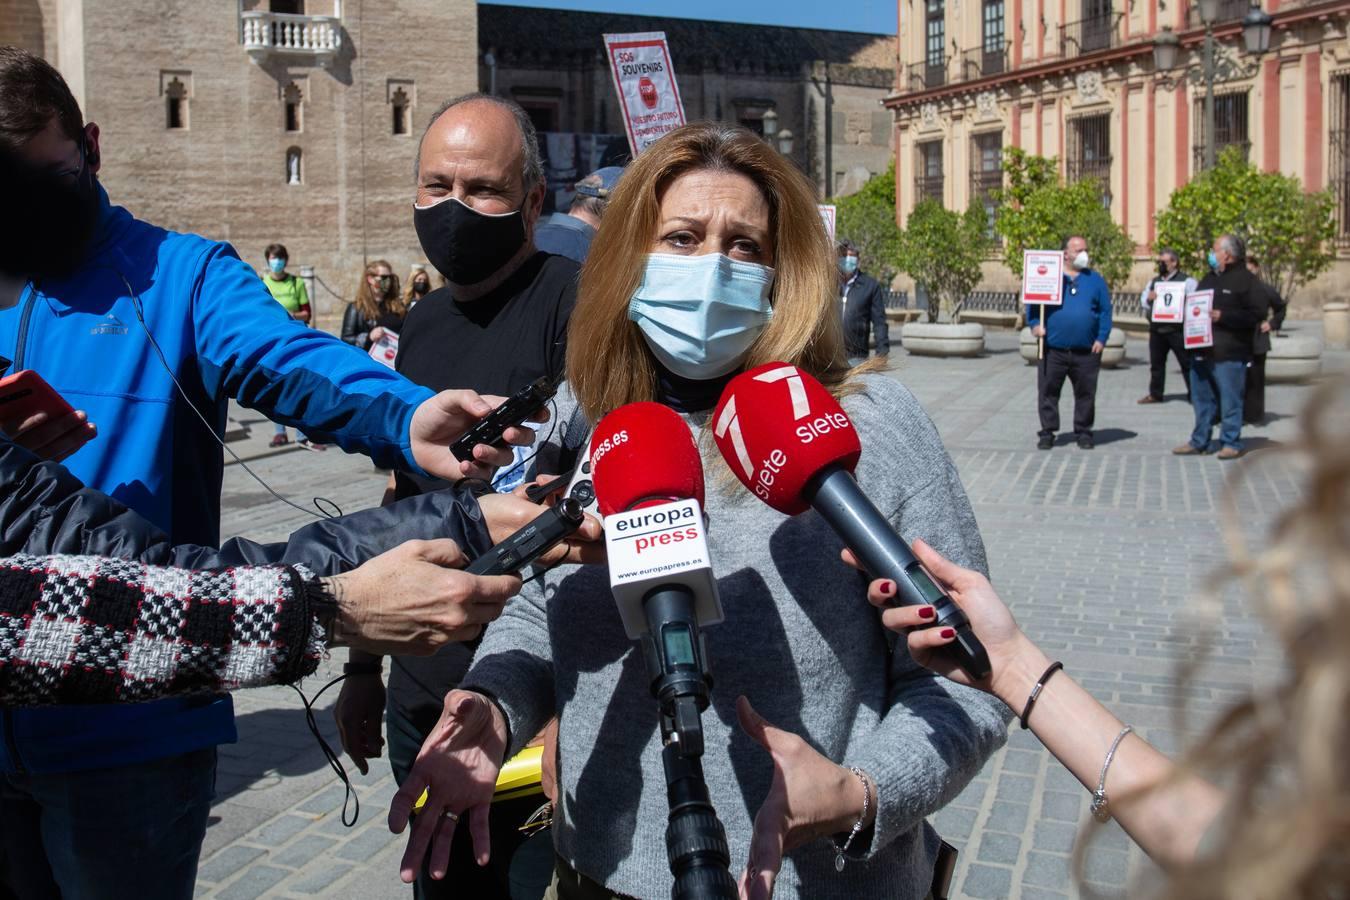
x=1101 y=808
x=858 y=825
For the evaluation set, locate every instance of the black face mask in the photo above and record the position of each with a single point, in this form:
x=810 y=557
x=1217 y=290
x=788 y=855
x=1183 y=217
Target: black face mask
x=54 y=219
x=1162 y=270
x=464 y=245
x=420 y=287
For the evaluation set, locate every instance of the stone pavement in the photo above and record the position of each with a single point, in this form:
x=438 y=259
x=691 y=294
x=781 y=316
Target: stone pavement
x=1101 y=554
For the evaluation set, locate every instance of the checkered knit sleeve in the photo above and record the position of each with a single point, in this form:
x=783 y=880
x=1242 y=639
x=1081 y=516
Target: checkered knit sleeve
x=91 y=629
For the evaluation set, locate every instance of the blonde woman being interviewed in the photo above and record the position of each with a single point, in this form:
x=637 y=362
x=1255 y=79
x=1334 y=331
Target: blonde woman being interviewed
x=711 y=258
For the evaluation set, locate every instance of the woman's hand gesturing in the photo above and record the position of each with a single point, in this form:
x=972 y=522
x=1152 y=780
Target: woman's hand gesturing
x=457 y=766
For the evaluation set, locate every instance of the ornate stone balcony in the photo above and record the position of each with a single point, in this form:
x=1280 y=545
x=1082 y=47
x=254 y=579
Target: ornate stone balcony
x=269 y=34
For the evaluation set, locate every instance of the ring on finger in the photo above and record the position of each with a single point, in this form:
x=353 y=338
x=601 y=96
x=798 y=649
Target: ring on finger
x=452 y=816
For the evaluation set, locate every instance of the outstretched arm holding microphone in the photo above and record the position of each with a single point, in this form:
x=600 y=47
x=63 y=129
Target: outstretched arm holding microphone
x=1167 y=823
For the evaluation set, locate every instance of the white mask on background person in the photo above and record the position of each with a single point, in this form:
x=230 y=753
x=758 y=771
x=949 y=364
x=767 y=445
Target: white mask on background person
x=1080 y=262
x=700 y=314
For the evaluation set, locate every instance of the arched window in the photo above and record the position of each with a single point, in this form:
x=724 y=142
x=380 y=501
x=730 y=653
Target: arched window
x=175 y=105
x=294 y=166
x=402 y=111
x=293 y=98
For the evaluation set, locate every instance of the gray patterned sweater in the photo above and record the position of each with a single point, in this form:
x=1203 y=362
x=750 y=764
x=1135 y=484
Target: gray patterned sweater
x=91 y=629
x=800 y=641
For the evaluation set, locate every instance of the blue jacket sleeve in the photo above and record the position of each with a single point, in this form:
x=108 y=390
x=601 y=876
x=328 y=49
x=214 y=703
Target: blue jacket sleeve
x=249 y=348
x=1103 y=310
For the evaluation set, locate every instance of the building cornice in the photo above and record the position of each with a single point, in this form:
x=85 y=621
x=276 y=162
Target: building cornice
x=1143 y=46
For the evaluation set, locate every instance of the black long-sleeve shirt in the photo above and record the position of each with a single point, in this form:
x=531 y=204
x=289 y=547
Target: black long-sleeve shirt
x=1242 y=307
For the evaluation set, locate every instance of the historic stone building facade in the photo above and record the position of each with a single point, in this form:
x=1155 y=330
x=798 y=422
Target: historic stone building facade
x=553 y=63
x=254 y=121
x=1075 y=79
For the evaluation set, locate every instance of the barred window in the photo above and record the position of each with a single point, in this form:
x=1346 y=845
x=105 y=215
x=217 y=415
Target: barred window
x=928 y=172
x=1230 y=126
x=1340 y=155
x=1090 y=151
x=986 y=172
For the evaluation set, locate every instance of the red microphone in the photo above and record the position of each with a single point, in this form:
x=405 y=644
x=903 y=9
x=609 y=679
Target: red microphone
x=649 y=486
x=792 y=445
x=643 y=454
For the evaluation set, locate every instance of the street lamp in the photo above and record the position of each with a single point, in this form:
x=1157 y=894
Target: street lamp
x=785 y=139
x=769 y=122
x=1255 y=35
x=1256 y=29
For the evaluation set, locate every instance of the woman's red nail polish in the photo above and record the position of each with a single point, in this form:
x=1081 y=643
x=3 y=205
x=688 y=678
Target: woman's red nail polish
x=927 y=612
x=887 y=587
x=949 y=632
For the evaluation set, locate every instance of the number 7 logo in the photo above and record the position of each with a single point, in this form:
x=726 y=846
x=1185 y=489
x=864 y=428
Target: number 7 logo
x=729 y=423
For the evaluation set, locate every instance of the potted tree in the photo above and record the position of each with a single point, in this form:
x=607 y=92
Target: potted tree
x=1289 y=229
x=1038 y=211
x=942 y=250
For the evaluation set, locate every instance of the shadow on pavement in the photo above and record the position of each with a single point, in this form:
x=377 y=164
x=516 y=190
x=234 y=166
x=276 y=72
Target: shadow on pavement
x=274 y=745
x=1099 y=437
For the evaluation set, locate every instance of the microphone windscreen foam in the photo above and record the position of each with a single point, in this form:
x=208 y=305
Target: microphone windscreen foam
x=643 y=454
x=777 y=426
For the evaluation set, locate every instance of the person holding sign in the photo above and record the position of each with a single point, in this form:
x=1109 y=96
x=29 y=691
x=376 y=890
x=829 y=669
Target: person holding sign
x=1164 y=324
x=1219 y=372
x=1075 y=334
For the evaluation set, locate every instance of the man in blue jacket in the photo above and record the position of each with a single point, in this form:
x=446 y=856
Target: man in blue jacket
x=149 y=333
x=1075 y=334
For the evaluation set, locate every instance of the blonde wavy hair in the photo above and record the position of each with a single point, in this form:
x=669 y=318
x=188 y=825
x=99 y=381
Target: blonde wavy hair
x=370 y=305
x=1280 y=751
x=409 y=298
x=608 y=363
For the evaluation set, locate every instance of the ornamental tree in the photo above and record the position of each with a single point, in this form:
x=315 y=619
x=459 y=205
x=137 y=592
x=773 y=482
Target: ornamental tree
x=1288 y=229
x=1038 y=211
x=942 y=250
x=868 y=219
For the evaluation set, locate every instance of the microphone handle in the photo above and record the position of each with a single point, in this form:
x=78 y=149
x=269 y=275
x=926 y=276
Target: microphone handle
x=835 y=495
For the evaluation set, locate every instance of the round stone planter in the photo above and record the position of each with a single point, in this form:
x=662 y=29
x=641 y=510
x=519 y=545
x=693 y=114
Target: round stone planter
x=1336 y=325
x=1293 y=359
x=1112 y=356
x=943 y=339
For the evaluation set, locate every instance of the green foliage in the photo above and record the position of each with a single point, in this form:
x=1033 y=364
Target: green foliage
x=1039 y=212
x=868 y=219
x=942 y=250
x=1289 y=230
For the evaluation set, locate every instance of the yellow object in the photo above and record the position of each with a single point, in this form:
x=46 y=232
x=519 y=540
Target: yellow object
x=521 y=776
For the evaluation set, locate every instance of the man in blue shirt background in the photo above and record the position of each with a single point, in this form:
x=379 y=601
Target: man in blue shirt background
x=1075 y=334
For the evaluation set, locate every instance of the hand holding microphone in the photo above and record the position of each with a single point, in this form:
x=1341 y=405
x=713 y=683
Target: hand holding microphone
x=791 y=444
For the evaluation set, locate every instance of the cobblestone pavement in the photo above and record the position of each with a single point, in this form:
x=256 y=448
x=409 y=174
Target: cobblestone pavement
x=1100 y=553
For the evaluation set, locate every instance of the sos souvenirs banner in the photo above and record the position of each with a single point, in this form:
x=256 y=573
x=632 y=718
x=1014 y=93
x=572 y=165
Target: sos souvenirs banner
x=645 y=80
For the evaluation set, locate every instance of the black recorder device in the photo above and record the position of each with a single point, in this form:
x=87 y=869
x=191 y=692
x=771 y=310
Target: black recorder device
x=517 y=408
x=534 y=540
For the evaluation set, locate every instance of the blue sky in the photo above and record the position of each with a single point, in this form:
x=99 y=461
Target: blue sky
x=877 y=16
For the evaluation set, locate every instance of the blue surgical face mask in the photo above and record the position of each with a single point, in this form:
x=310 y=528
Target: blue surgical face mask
x=700 y=314
x=848 y=264
x=1213 y=261
x=277 y=265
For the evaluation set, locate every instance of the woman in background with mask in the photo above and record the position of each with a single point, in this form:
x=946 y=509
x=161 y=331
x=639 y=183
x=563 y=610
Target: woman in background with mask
x=290 y=292
x=377 y=307
x=712 y=259
x=419 y=285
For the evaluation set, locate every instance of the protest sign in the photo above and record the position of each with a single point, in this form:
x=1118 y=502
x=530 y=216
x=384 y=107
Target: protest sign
x=1043 y=277
x=385 y=349
x=1198 y=331
x=827 y=215
x=1169 y=300
x=645 y=80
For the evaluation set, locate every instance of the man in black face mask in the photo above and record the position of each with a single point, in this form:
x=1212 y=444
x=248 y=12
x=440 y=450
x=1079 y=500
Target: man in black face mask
x=499 y=324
